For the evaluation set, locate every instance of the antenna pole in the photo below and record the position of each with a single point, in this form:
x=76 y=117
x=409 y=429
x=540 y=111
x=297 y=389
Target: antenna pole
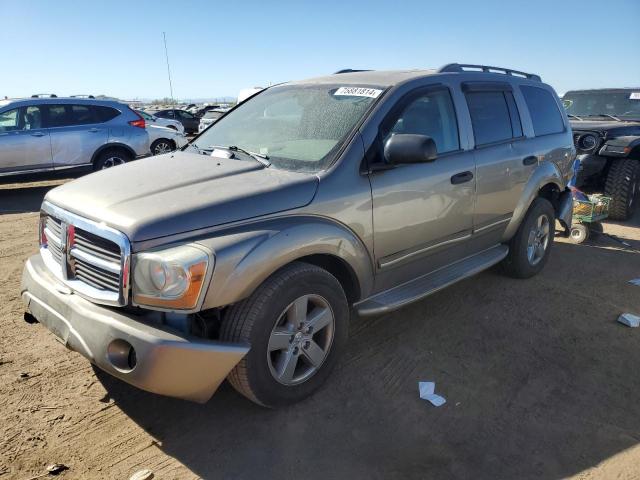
x=166 y=54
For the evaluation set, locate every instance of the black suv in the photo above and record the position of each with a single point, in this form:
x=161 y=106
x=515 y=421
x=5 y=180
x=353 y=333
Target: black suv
x=606 y=132
x=189 y=121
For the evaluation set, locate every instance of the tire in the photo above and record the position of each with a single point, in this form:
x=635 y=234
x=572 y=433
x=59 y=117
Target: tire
x=622 y=185
x=162 y=145
x=520 y=263
x=579 y=233
x=111 y=158
x=262 y=321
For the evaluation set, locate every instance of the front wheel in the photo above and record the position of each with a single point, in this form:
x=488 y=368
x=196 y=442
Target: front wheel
x=296 y=323
x=529 y=248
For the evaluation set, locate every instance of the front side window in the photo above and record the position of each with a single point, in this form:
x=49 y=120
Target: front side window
x=299 y=127
x=489 y=117
x=32 y=117
x=543 y=109
x=431 y=114
x=9 y=120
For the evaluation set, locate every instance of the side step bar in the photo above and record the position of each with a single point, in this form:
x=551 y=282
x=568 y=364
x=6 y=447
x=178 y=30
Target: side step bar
x=426 y=285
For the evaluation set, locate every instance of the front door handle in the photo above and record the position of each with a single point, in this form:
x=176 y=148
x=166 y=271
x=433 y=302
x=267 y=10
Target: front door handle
x=530 y=160
x=37 y=134
x=461 y=177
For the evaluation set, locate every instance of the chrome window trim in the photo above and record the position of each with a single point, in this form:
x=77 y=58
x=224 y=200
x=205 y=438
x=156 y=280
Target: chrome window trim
x=120 y=298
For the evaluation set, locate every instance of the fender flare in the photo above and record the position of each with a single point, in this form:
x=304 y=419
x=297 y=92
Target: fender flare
x=546 y=173
x=107 y=146
x=247 y=256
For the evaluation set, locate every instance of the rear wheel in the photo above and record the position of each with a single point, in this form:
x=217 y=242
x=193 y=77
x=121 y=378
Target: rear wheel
x=296 y=323
x=111 y=158
x=622 y=186
x=529 y=248
x=162 y=145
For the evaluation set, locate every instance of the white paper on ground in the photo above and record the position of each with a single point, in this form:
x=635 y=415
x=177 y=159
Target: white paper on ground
x=635 y=281
x=629 y=320
x=427 y=390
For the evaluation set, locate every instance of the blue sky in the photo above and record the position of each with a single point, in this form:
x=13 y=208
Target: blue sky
x=217 y=48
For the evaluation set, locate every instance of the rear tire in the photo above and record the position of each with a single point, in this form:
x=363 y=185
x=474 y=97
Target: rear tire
x=162 y=145
x=529 y=248
x=111 y=158
x=300 y=314
x=622 y=185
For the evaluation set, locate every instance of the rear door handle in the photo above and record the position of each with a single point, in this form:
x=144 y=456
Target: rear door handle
x=461 y=177
x=37 y=134
x=530 y=160
x=94 y=130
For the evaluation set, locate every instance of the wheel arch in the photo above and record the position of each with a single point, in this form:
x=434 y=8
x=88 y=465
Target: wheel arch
x=546 y=182
x=245 y=259
x=112 y=146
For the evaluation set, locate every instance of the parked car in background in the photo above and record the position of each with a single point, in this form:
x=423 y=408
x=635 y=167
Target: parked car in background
x=606 y=132
x=47 y=134
x=242 y=255
x=209 y=118
x=165 y=140
x=160 y=122
x=188 y=120
x=207 y=108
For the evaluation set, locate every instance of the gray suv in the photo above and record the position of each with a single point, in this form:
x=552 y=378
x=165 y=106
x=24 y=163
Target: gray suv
x=243 y=255
x=51 y=134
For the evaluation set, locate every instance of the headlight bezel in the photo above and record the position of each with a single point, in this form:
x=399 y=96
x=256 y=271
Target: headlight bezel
x=194 y=260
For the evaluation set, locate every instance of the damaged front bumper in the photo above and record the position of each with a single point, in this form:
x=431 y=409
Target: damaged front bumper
x=140 y=353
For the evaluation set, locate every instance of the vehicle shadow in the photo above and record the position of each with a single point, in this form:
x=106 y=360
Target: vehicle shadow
x=533 y=372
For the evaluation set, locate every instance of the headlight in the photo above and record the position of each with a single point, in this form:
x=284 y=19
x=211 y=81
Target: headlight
x=587 y=142
x=171 y=279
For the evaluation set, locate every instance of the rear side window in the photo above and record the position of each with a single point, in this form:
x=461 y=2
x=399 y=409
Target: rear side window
x=56 y=116
x=81 y=115
x=104 y=114
x=489 y=116
x=544 y=111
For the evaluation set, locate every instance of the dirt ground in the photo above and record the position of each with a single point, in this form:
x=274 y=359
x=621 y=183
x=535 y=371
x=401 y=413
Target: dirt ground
x=540 y=382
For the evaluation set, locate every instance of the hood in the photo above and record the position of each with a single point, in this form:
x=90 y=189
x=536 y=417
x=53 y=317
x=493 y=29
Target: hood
x=180 y=192
x=615 y=128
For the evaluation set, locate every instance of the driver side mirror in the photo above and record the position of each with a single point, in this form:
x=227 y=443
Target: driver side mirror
x=409 y=148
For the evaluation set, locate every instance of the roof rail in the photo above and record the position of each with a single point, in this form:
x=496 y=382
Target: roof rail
x=82 y=96
x=461 y=67
x=44 y=95
x=349 y=70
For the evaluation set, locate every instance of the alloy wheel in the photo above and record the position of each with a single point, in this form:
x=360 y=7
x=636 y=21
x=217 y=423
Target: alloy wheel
x=538 y=240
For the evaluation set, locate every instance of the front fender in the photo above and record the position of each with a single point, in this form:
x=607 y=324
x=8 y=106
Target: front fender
x=546 y=173
x=247 y=256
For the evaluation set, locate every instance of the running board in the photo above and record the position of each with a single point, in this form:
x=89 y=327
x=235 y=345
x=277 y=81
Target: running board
x=426 y=285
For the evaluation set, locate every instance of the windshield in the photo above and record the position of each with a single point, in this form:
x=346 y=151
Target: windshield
x=620 y=104
x=298 y=127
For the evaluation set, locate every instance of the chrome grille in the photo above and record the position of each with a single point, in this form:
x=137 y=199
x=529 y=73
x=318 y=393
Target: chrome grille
x=91 y=258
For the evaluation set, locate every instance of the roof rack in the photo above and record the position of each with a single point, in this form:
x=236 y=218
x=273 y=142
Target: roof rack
x=462 y=67
x=44 y=95
x=349 y=70
x=82 y=96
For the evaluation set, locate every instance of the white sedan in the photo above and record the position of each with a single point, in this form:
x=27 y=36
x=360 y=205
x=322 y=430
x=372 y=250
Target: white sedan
x=160 y=122
x=164 y=140
x=210 y=117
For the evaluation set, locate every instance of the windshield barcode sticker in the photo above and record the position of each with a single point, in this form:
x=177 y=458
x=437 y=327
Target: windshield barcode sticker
x=358 y=92
x=635 y=96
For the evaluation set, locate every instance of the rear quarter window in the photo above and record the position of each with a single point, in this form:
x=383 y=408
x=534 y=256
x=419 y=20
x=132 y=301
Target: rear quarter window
x=104 y=114
x=545 y=115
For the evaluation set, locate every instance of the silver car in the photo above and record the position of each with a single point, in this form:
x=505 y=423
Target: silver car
x=51 y=134
x=243 y=255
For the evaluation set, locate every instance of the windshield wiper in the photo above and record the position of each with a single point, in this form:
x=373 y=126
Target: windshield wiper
x=604 y=115
x=263 y=159
x=570 y=115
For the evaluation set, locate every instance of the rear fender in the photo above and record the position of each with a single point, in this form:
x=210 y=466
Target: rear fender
x=546 y=173
x=246 y=257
